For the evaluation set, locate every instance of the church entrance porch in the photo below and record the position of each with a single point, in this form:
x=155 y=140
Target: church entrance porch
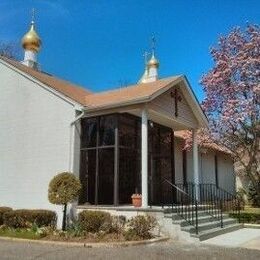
x=110 y=166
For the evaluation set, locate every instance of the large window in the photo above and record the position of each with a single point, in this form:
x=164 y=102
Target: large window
x=129 y=157
x=89 y=132
x=88 y=176
x=97 y=159
x=160 y=164
x=110 y=169
x=107 y=130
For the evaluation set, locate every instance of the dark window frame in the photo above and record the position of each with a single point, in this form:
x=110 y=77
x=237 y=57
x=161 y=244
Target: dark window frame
x=135 y=149
x=97 y=148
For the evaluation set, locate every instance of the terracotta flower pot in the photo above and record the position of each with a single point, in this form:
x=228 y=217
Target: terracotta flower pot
x=137 y=200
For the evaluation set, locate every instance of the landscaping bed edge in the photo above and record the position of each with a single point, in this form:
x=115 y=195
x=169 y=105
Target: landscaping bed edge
x=248 y=225
x=88 y=245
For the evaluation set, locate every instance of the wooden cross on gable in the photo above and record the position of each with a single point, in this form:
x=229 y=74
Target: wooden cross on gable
x=177 y=98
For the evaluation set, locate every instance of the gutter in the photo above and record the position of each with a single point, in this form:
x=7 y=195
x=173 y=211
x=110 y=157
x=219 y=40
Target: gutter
x=72 y=138
x=136 y=100
x=78 y=117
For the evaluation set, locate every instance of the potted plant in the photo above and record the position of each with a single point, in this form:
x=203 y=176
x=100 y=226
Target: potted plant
x=136 y=199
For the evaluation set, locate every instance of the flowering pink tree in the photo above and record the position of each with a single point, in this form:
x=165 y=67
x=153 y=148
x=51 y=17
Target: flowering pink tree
x=232 y=102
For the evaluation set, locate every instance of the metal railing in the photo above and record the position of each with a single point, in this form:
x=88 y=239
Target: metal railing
x=188 y=198
x=222 y=199
x=187 y=205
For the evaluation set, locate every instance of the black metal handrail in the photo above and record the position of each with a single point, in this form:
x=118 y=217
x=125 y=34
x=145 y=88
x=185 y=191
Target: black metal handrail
x=211 y=199
x=225 y=200
x=186 y=206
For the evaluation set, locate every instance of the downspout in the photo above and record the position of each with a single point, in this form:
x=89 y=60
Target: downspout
x=72 y=213
x=72 y=139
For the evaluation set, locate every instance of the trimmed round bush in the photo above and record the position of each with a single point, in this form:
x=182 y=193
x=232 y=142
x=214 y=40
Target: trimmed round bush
x=23 y=218
x=64 y=188
x=3 y=210
x=95 y=221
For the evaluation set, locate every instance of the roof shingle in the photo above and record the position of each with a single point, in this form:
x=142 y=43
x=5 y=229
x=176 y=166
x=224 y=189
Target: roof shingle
x=74 y=92
x=138 y=92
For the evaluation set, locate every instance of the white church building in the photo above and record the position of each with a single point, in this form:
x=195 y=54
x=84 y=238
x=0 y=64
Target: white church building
x=118 y=142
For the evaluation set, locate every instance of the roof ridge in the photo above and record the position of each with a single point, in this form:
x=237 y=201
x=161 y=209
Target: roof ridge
x=134 y=86
x=16 y=63
x=71 y=90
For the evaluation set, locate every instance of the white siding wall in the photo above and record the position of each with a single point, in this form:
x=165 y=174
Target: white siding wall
x=207 y=172
x=226 y=174
x=34 y=141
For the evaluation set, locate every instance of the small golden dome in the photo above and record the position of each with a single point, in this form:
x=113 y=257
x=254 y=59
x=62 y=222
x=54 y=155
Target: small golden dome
x=153 y=62
x=31 y=40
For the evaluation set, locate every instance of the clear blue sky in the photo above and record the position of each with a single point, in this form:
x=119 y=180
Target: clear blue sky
x=99 y=43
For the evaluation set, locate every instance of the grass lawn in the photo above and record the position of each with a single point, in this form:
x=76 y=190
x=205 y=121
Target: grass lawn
x=21 y=233
x=248 y=215
x=251 y=210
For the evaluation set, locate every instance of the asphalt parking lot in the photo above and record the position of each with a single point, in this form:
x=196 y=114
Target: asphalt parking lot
x=162 y=250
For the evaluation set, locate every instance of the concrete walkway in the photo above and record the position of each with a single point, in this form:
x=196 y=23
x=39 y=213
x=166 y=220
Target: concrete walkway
x=245 y=238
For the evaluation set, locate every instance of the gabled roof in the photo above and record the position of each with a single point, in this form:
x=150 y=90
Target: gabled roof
x=135 y=94
x=143 y=93
x=68 y=89
x=138 y=93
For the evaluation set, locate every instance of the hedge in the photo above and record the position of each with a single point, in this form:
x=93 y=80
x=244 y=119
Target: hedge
x=246 y=217
x=94 y=221
x=23 y=218
x=3 y=210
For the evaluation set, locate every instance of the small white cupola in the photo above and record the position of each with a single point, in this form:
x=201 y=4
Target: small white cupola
x=31 y=44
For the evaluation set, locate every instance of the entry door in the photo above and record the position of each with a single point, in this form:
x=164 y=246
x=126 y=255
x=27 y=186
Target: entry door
x=160 y=192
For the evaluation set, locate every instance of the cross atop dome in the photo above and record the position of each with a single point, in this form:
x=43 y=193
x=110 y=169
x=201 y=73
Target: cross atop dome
x=31 y=42
x=151 y=66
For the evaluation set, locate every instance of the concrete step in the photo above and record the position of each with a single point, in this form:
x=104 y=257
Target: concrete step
x=188 y=208
x=176 y=216
x=207 y=234
x=209 y=225
x=201 y=219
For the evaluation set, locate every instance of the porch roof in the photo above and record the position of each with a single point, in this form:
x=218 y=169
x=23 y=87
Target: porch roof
x=133 y=94
x=142 y=94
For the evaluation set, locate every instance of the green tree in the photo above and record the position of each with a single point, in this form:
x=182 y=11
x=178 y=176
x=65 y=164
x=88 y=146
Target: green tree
x=64 y=188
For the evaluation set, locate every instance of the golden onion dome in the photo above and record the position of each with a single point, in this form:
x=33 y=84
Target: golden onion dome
x=153 y=62
x=31 y=40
